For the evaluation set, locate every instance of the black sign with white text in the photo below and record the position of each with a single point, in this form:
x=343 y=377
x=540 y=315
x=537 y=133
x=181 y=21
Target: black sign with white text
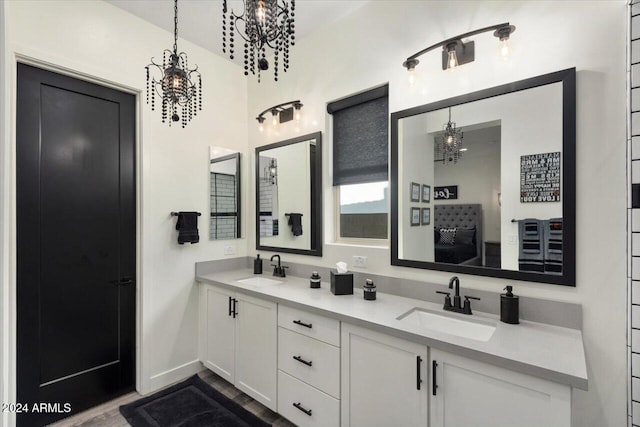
x=540 y=178
x=449 y=192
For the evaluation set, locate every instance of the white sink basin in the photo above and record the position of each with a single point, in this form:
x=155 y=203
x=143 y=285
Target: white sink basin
x=259 y=281
x=475 y=329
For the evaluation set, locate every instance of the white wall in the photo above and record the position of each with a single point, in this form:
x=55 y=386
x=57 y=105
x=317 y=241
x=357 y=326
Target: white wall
x=105 y=43
x=367 y=48
x=416 y=152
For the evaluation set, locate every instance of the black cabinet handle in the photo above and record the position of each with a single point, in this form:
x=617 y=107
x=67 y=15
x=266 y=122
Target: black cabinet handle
x=419 y=379
x=235 y=308
x=299 y=406
x=301 y=360
x=229 y=306
x=126 y=281
x=434 y=384
x=306 y=325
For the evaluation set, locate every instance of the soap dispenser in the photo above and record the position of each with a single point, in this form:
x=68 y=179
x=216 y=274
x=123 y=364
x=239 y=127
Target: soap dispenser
x=257 y=265
x=509 y=307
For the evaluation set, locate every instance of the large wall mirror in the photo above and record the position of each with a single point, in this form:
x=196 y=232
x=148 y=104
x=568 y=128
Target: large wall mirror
x=289 y=196
x=484 y=183
x=224 y=194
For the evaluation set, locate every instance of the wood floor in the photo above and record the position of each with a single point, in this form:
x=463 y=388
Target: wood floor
x=108 y=414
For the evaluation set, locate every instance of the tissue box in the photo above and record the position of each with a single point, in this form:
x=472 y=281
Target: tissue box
x=341 y=283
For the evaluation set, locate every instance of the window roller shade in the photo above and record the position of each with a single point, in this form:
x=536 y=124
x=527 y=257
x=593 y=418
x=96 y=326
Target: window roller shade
x=360 y=138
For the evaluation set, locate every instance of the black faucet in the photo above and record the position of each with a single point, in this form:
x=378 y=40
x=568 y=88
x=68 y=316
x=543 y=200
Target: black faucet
x=278 y=269
x=456 y=295
x=456 y=306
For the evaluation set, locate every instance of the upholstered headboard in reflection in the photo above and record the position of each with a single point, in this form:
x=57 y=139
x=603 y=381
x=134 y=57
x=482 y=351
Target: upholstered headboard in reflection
x=461 y=216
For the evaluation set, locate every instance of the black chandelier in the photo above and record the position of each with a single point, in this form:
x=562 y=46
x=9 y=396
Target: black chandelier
x=449 y=147
x=175 y=85
x=262 y=24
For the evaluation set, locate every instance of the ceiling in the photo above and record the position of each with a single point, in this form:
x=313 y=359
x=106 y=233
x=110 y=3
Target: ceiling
x=200 y=21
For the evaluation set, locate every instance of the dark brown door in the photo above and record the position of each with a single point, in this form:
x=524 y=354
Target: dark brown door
x=76 y=244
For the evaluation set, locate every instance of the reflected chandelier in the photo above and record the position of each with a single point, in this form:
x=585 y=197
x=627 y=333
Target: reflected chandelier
x=177 y=86
x=449 y=148
x=263 y=24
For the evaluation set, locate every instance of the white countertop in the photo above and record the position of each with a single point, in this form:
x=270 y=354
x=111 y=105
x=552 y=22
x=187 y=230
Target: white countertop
x=549 y=352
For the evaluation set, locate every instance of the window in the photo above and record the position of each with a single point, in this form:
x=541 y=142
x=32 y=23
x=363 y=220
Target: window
x=361 y=163
x=364 y=210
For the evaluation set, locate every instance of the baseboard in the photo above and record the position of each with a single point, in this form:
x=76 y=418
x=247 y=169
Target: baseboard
x=166 y=378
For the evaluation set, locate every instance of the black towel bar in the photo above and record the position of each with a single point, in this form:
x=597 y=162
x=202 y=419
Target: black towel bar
x=178 y=213
x=288 y=214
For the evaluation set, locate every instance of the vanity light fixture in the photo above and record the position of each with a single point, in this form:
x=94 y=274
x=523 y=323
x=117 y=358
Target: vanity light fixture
x=449 y=146
x=262 y=24
x=281 y=113
x=177 y=85
x=455 y=52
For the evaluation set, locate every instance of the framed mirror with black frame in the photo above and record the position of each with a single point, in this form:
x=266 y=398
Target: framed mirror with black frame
x=289 y=196
x=501 y=166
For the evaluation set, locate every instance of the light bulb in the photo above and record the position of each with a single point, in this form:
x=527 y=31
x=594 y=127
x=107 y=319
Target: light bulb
x=504 y=48
x=412 y=77
x=452 y=62
x=176 y=81
x=274 y=120
x=260 y=12
x=261 y=128
x=298 y=115
x=449 y=139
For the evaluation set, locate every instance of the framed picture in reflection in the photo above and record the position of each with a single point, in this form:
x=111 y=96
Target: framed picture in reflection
x=426 y=216
x=415 y=216
x=415 y=192
x=426 y=193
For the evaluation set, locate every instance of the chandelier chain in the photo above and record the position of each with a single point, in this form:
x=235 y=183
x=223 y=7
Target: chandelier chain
x=175 y=27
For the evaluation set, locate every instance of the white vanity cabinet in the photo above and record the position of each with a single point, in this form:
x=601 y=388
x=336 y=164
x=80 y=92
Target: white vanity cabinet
x=472 y=393
x=239 y=341
x=384 y=380
x=308 y=368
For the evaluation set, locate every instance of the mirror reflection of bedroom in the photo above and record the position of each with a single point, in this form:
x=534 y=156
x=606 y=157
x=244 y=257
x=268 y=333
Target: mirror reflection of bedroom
x=464 y=198
x=463 y=228
x=473 y=165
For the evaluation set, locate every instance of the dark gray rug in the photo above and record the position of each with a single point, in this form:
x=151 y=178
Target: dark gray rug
x=191 y=403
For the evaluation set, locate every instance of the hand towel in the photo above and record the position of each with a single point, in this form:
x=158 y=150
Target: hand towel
x=187 y=226
x=295 y=221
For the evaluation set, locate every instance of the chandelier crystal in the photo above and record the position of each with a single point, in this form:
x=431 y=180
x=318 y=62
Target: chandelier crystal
x=449 y=147
x=262 y=24
x=179 y=88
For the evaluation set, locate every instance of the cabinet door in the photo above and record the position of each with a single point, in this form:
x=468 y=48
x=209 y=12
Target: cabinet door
x=471 y=393
x=218 y=330
x=381 y=380
x=256 y=349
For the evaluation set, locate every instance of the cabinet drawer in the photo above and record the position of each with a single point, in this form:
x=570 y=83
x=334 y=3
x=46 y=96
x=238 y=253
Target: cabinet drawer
x=314 y=362
x=309 y=324
x=312 y=407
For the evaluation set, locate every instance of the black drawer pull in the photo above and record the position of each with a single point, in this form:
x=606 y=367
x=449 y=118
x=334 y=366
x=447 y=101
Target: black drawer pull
x=434 y=385
x=306 y=325
x=299 y=406
x=301 y=360
x=419 y=378
x=230 y=306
